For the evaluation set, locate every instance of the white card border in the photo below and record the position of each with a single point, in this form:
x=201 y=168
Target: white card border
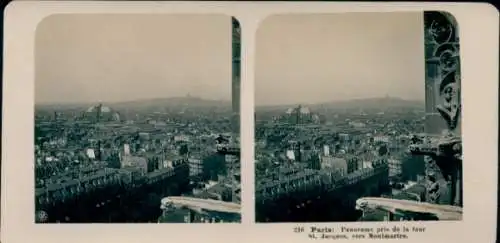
x=478 y=25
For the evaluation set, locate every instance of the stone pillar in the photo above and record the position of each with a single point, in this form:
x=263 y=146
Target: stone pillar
x=434 y=123
x=443 y=102
x=236 y=79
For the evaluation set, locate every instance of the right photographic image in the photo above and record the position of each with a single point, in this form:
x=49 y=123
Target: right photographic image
x=358 y=118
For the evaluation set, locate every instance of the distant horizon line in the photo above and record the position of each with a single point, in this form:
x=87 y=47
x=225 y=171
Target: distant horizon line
x=224 y=100
x=126 y=101
x=340 y=100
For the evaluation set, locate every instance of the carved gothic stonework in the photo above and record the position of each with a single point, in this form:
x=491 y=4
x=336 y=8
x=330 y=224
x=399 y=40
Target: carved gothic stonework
x=443 y=106
x=442 y=56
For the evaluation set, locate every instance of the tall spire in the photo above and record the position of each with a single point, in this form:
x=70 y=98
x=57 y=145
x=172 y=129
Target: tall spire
x=236 y=73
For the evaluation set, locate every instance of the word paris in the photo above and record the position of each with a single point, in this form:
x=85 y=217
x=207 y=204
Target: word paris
x=344 y=229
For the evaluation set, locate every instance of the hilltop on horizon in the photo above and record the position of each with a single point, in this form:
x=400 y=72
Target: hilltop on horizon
x=364 y=103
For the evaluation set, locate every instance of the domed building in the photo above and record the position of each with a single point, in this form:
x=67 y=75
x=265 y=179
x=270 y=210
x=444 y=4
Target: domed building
x=300 y=115
x=300 y=109
x=101 y=113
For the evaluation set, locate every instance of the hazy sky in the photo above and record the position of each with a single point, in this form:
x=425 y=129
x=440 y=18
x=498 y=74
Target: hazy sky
x=326 y=57
x=81 y=58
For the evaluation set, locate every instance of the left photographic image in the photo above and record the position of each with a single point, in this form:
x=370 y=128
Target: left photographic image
x=137 y=119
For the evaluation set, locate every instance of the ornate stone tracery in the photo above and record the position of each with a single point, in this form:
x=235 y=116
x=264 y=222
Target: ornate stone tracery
x=443 y=107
